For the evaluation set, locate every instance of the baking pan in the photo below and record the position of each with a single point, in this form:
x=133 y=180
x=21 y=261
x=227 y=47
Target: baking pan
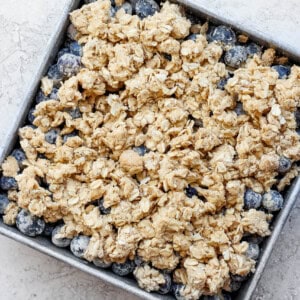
x=129 y=284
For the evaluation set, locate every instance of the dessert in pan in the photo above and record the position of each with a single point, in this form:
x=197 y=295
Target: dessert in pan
x=159 y=145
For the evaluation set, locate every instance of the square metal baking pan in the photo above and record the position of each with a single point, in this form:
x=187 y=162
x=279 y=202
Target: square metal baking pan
x=128 y=284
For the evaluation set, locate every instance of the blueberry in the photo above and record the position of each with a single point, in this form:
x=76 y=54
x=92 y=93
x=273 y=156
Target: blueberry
x=226 y=296
x=222 y=82
x=8 y=183
x=235 y=56
x=28 y=224
x=146 y=8
x=49 y=227
x=166 y=287
x=283 y=71
x=71 y=32
x=51 y=136
x=239 y=109
x=75 y=113
x=176 y=290
x=197 y=122
x=252 y=199
x=59 y=241
x=209 y=33
x=284 y=164
x=75 y=49
x=19 y=155
x=30 y=116
x=141 y=150
x=63 y=51
x=192 y=37
x=54 y=94
x=235 y=285
x=41 y=156
x=190 y=192
x=103 y=210
x=112 y=11
x=55 y=75
x=253 y=251
x=40 y=97
x=167 y=56
x=89 y=1
x=272 y=201
x=253 y=238
x=68 y=64
x=238 y=278
x=127 y=7
x=123 y=269
x=253 y=49
x=101 y=264
x=138 y=261
x=297 y=117
x=193 y=18
x=3 y=203
x=79 y=245
x=223 y=34
x=53 y=72
x=69 y=135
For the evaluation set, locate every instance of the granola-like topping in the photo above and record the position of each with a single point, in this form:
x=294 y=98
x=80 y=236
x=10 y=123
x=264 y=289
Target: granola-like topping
x=143 y=85
x=148 y=278
x=11 y=212
x=10 y=167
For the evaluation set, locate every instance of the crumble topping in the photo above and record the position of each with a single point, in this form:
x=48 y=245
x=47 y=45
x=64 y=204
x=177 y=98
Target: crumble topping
x=129 y=94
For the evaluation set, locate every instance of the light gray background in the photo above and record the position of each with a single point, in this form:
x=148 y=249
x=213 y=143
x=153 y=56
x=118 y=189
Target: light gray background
x=25 y=28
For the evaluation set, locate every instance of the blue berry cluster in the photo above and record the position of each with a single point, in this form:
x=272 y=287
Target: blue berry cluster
x=236 y=55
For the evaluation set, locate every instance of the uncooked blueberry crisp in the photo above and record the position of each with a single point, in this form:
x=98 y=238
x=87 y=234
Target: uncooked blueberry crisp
x=159 y=145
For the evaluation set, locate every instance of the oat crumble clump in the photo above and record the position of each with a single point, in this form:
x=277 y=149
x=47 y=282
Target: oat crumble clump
x=143 y=84
x=148 y=278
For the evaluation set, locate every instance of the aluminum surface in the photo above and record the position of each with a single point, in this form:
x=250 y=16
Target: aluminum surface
x=45 y=246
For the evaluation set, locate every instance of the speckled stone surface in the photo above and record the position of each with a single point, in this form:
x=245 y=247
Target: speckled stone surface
x=25 y=29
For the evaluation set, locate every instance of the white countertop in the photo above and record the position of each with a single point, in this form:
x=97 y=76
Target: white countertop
x=25 y=28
